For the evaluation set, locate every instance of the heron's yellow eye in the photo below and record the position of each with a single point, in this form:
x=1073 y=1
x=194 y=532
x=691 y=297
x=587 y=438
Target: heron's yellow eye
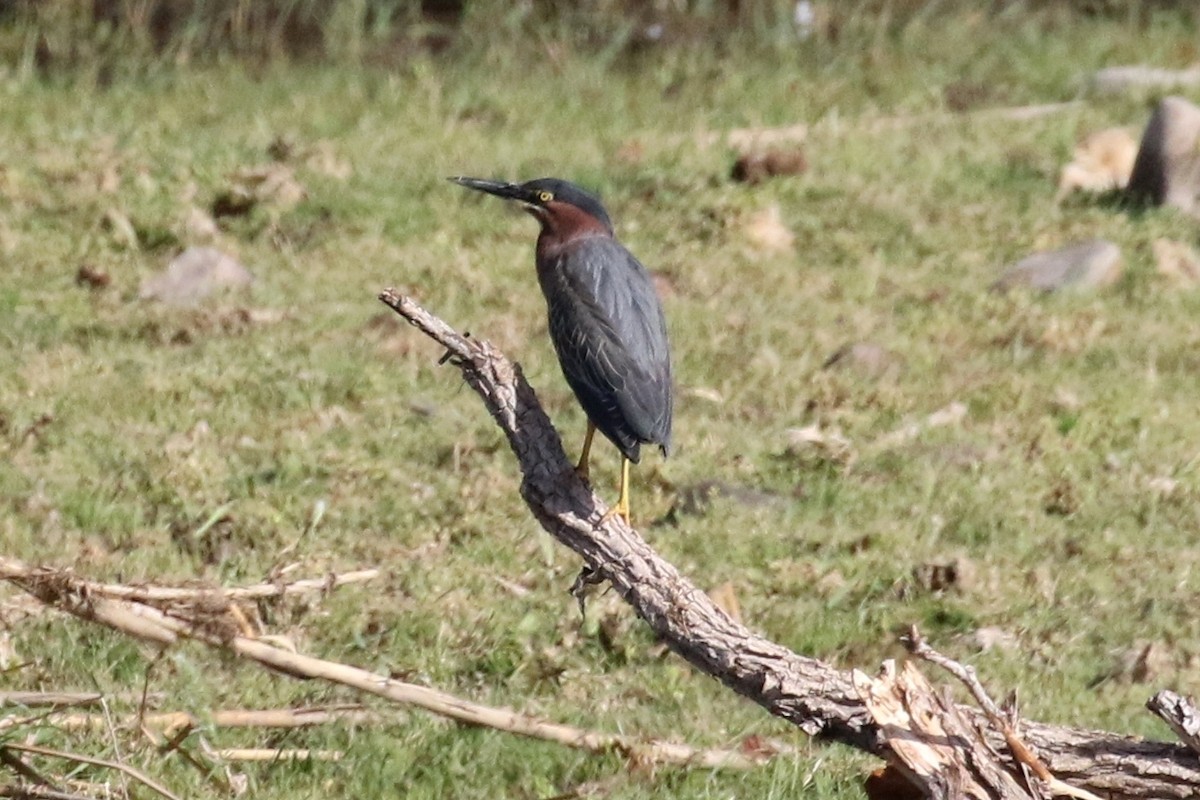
x=545 y=197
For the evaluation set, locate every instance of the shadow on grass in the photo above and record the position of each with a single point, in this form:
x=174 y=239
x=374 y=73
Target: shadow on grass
x=1117 y=201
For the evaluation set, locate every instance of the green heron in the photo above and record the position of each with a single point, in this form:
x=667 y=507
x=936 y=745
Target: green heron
x=606 y=322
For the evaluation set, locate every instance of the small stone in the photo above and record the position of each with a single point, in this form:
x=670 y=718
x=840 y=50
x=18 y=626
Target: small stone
x=194 y=275
x=1114 y=80
x=1087 y=265
x=1167 y=170
x=1103 y=161
x=1176 y=261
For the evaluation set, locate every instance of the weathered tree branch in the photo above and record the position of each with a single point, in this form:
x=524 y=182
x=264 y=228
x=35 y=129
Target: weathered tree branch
x=821 y=700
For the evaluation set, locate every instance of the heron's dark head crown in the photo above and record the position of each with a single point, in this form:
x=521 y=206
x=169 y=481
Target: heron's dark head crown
x=541 y=197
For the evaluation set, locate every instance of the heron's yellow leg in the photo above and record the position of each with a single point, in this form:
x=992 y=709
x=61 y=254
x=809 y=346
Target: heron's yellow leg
x=621 y=509
x=581 y=468
x=623 y=499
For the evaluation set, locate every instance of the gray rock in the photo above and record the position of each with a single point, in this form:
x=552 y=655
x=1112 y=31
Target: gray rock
x=1114 y=80
x=1167 y=169
x=194 y=275
x=1087 y=265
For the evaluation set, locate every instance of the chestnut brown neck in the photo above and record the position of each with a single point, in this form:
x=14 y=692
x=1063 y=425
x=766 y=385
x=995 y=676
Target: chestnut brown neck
x=562 y=224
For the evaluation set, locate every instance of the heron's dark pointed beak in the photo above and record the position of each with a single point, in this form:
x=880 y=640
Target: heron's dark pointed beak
x=509 y=191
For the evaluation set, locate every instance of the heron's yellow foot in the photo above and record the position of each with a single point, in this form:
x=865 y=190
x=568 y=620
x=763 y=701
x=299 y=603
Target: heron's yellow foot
x=615 y=511
x=621 y=509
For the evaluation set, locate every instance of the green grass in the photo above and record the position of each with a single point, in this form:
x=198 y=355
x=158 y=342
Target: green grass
x=186 y=445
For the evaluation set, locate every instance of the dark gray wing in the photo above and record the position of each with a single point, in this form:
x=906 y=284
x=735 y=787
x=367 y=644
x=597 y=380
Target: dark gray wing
x=611 y=336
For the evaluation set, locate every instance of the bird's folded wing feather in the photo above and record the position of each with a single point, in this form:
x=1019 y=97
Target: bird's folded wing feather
x=618 y=339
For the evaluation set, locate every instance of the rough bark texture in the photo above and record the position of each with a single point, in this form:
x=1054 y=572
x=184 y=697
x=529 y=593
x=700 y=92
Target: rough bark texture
x=821 y=700
x=1180 y=714
x=937 y=744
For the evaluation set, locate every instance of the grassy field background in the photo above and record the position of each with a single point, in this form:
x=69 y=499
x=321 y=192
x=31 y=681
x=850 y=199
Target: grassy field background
x=142 y=443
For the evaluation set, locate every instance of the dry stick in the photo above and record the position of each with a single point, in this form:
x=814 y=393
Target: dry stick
x=124 y=769
x=118 y=591
x=277 y=754
x=56 y=699
x=156 y=625
x=38 y=793
x=178 y=725
x=809 y=693
x=293 y=717
x=112 y=735
x=965 y=673
x=1180 y=714
x=168 y=722
x=472 y=713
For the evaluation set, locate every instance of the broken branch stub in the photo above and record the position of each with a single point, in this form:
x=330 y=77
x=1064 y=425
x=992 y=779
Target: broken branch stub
x=1180 y=714
x=933 y=742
